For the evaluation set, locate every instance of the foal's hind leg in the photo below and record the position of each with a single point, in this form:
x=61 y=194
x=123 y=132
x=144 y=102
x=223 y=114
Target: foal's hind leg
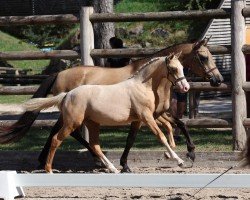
x=149 y=120
x=94 y=142
x=56 y=142
x=75 y=134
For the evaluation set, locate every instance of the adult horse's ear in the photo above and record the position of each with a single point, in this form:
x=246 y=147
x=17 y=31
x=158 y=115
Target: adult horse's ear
x=203 y=42
x=178 y=54
x=206 y=40
x=197 y=45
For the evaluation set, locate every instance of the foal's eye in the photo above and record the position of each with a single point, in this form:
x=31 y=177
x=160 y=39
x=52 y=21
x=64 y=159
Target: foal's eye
x=173 y=70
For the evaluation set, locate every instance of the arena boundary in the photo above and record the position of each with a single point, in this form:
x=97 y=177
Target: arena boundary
x=12 y=182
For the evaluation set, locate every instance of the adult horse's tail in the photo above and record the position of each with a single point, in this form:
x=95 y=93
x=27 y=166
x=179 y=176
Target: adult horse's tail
x=16 y=131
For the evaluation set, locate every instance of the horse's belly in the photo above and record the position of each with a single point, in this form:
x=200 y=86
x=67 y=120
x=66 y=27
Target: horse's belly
x=112 y=116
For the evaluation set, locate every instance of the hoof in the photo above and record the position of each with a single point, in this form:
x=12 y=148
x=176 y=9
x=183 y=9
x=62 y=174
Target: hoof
x=191 y=156
x=40 y=167
x=181 y=165
x=113 y=170
x=167 y=155
x=126 y=170
x=98 y=163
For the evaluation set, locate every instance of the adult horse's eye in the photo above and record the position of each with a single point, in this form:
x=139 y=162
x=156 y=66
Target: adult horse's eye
x=203 y=59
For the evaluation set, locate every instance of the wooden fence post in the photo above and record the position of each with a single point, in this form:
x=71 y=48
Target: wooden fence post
x=238 y=73
x=86 y=44
x=87 y=36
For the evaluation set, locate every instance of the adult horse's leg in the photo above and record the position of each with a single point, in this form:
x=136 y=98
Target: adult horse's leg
x=94 y=142
x=150 y=121
x=184 y=130
x=75 y=134
x=135 y=126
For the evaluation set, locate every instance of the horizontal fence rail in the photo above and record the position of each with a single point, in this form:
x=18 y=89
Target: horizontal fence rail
x=37 y=55
x=192 y=123
x=27 y=90
x=126 y=52
x=134 y=180
x=140 y=52
x=11 y=183
x=160 y=16
x=118 y=17
x=38 y=20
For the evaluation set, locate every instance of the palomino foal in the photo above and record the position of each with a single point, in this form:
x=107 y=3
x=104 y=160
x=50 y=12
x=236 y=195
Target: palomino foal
x=111 y=105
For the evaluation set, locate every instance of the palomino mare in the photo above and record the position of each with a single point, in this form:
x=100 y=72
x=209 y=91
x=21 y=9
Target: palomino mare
x=195 y=56
x=118 y=104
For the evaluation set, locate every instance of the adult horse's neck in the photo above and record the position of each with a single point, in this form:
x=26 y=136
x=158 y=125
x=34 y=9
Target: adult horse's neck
x=186 y=50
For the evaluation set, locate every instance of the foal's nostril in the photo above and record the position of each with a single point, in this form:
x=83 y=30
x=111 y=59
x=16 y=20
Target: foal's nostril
x=219 y=82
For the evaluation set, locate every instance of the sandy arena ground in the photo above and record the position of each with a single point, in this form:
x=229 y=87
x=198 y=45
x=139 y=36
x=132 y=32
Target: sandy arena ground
x=140 y=162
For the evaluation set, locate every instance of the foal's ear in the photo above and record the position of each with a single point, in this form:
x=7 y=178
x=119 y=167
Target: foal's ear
x=178 y=54
x=170 y=57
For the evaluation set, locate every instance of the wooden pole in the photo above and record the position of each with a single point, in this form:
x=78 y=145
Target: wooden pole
x=238 y=74
x=87 y=36
x=104 y=53
x=87 y=44
x=160 y=16
x=195 y=123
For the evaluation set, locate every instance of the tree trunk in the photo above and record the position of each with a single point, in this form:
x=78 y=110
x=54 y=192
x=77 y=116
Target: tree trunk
x=102 y=31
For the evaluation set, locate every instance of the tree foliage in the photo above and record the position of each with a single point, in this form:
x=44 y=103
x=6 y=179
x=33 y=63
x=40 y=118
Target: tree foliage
x=201 y=4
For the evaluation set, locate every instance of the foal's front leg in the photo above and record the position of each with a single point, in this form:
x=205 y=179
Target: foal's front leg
x=161 y=121
x=149 y=120
x=94 y=142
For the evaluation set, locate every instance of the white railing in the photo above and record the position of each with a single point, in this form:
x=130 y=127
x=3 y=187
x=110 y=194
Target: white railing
x=11 y=183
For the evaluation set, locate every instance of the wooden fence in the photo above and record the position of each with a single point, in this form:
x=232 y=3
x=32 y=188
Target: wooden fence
x=238 y=85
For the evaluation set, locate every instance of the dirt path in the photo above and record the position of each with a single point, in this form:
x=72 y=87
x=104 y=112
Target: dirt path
x=140 y=162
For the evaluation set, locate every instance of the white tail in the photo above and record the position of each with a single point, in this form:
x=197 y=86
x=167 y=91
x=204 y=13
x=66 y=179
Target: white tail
x=38 y=104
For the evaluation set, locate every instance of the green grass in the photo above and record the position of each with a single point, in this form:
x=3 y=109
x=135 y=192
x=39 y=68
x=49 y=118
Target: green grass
x=204 y=139
x=14 y=98
x=10 y=43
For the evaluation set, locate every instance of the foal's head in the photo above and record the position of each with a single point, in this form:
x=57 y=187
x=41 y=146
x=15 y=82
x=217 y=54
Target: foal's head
x=175 y=72
x=202 y=63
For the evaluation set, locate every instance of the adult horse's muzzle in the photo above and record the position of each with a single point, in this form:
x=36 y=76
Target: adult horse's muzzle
x=216 y=81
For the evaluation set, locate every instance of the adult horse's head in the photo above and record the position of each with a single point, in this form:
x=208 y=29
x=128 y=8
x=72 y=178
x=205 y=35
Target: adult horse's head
x=201 y=62
x=175 y=72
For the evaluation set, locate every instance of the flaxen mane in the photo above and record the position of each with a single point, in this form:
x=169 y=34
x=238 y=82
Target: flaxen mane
x=143 y=66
